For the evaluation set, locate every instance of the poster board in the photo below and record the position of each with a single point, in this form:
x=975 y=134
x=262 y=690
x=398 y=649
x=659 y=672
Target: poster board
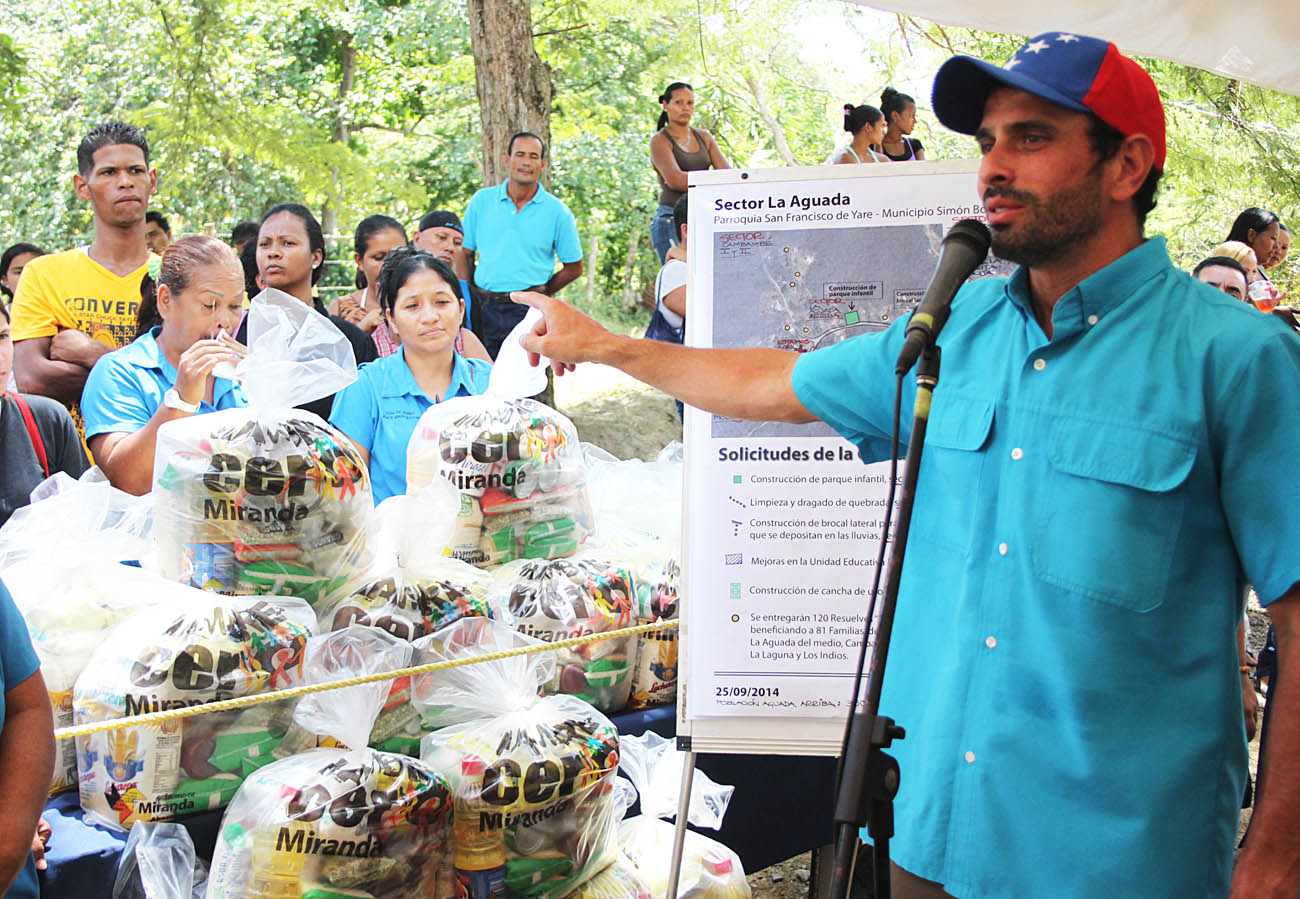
x=782 y=522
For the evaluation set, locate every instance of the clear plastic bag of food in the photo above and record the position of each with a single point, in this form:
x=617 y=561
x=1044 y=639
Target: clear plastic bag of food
x=636 y=502
x=412 y=588
x=537 y=805
x=621 y=880
x=159 y=862
x=60 y=558
x=192 y=650
x=339 y=822
x=709 y=869
x=563 y=598
x=519 y=471
x=267 y=499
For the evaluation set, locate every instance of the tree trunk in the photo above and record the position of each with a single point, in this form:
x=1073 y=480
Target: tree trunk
x=342 y=134
x=759 y=92
x=514 y=85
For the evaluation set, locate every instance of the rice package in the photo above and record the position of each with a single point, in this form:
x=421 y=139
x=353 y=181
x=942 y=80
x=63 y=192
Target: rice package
x=563 y=598
x=539 y=771
x=267 y=499
x=60 y=559
x=339 y=822
x=518 y=469
x=189 y=652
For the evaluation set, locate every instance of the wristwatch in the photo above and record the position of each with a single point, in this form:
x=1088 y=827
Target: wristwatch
x=172 y=400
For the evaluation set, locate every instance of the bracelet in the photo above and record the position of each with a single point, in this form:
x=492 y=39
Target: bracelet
x=1245 y=669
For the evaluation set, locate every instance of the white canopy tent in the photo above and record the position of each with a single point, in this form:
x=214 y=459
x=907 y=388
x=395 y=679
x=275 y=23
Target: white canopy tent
x=1252 y=40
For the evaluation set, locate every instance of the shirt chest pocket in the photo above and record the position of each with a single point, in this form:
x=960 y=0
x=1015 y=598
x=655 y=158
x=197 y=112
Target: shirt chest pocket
x=1111 y=508
x=948 y=506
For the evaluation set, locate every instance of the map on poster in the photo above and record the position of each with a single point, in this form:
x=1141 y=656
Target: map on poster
x=809 y=288
x=783 y=522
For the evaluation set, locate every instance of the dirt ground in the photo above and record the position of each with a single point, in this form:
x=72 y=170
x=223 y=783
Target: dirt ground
x=616 y=413
x=633 y=421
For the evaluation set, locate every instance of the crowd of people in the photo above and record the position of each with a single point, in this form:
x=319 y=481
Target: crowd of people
x=112 y=340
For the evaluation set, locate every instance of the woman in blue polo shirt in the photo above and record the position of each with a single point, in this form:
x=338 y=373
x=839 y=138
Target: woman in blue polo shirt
x=421 y=300
x=167 y=372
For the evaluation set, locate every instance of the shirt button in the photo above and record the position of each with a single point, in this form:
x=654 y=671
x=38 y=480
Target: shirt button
x=970 y=757
x=1040 y=364
x=1002 y=549
x=1017 y=454
x=1092 y=319
x=991 y=642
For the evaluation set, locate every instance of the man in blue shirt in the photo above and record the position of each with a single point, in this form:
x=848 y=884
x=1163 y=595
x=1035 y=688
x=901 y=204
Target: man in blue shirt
x=518 y=229
x=1096 y=492
x=26 y=752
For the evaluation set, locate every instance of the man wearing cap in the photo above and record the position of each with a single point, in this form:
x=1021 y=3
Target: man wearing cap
x=442 y=234
x=518 y=229
x=1096 y=491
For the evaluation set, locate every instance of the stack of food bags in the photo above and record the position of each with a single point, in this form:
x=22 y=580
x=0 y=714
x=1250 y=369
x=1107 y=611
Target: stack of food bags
x=339 y=822
x=187 y=651
x=638 y=517
x=267 y=499
x=575 y=597
x=535 y=775
x=61 y=559
x=516 y=464
x=412 y=590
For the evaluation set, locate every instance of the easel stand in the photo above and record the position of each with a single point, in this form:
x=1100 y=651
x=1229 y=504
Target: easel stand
x=869 y=777
x=679 y=832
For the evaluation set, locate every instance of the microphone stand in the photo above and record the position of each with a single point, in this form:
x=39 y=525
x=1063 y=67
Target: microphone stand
x=869 y=776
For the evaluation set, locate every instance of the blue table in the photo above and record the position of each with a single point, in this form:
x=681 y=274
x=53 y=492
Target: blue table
x=781 y=808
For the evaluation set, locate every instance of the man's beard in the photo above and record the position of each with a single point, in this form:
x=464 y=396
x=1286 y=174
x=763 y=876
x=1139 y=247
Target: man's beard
x=1046 y=230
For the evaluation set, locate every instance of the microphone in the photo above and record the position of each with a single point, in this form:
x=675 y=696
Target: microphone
x=963 y=249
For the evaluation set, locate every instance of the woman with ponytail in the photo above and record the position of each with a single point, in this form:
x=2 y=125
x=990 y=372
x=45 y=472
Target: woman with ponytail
x=899 y=111
x=676 y=149
x=190 y=305
x=867 y=125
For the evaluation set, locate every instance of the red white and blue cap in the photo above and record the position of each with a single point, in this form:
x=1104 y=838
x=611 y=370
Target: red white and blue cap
x=1080 y=73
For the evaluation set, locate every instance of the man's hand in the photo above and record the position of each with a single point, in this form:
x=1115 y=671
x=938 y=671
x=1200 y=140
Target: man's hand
x=349 y=310
x=750 y=384
x=77 y=347
x=370 y=320
x=564 y=335
x=40 y=840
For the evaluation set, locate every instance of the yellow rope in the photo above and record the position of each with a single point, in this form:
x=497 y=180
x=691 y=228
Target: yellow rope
x=243 y=702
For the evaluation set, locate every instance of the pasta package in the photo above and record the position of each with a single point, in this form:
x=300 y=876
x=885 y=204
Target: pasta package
x=251 y=503
x=519 y=471
x=654 y=673
x=163 y=658
x=563 y=598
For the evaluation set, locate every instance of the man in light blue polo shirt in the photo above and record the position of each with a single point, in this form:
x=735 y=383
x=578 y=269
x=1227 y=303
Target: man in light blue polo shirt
x=379 y=412
x=1098 y=486
x=518 y=229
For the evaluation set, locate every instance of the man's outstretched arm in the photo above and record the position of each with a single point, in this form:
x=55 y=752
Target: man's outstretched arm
x=750 y=384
